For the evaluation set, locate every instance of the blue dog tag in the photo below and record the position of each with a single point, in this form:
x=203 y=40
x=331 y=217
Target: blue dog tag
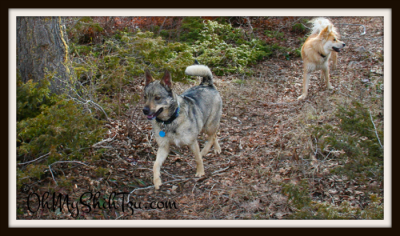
x=162 y=134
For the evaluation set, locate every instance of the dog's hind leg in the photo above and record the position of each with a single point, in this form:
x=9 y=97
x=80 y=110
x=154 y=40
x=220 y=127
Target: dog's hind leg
x=210 y=142
x=217 y=148
x=197 y=156
x=162 y=154
x=306 y=81
x=211 y=131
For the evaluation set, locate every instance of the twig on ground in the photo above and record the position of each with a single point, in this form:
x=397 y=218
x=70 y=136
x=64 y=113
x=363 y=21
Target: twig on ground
x=105 y=140
x=279 y=103
x=376 y=133
x=220 y=170
x=152 y=186
x=63 y=162
x=45 y=155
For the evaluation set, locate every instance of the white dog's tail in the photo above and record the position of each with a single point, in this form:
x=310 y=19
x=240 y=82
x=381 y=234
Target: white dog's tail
x=321 y=23
x=200 y=70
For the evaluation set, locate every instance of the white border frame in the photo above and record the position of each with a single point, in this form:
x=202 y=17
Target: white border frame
x=387 y=13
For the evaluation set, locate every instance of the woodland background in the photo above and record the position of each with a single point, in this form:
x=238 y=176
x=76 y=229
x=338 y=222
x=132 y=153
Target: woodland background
x=80 y=127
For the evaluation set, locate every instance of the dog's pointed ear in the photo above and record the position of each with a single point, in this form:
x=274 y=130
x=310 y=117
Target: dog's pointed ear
x=325 y=31
x=330 y=28
x=149 y=79
x=166 y=81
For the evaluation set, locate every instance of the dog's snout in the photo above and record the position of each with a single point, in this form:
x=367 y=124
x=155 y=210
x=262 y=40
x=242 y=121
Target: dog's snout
x=146 y=110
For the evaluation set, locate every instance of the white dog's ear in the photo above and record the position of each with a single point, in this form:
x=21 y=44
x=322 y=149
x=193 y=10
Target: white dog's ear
x=325 y=32
x=149 y=79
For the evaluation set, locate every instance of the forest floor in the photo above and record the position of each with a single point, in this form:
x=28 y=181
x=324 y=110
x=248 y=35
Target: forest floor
x=265 y=140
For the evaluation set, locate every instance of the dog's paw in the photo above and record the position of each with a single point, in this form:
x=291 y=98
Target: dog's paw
x=203 y=154
x=157 y=183
x=302 y=97
x=330 y=87
x=199 y=173
x=217 y=150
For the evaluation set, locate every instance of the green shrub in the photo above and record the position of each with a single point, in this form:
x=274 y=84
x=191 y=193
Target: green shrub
x=274 y=34
x=306 y=208
x=85 y=31
x=226 y=49
x=52 y=125
x=63 y=129
x=120 y=60
x=33 y=98
x=299 y=27
x=191 y=29
x=355 y=136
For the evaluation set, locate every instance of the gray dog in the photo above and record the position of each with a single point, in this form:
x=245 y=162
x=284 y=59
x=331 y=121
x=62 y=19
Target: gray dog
x=178 y=120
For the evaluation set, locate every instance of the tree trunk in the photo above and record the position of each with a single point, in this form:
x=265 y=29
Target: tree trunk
x=42 y=50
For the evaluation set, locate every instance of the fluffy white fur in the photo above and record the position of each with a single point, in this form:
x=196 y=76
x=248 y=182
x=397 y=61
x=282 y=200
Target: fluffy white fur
x=198 y=70
x=321 y=23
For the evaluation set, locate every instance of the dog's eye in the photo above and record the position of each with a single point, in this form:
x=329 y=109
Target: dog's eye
x=157 y=98
x=334 y=39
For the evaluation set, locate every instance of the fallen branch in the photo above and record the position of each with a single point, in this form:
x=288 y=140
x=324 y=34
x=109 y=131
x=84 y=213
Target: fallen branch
x=63 y=162
x=279 y=103
x=105 y=140
x=220 y=170
x=376 y=133
x=45 y=155
x=152 y=186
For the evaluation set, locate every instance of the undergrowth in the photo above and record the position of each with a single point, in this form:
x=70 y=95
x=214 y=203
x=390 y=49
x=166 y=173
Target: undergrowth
x=51 y=128
x=357 y=138
x=307 y=209
x=358 y=146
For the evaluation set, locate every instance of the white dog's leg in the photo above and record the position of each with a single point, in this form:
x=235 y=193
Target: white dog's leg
x=306 y=81
x=325 y=71
x=197 y=156
x=162 y=154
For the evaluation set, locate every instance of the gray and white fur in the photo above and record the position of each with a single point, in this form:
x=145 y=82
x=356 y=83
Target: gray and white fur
x=200 y=109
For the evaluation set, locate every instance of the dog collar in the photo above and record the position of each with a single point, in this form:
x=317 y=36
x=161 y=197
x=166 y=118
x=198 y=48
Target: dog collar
x=171 y=119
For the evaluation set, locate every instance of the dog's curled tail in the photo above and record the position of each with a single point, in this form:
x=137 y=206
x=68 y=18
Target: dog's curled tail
x=321 y=23
x=200 y=70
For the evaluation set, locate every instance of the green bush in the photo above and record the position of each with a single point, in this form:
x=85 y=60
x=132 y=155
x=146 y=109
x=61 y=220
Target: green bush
x=33 y=98
x=122 y=57
x=52 y=125
x=355 y=136
x=63 y=129
x=226 y=49
x=305 y=208
x=120 y=60
x=191 y=29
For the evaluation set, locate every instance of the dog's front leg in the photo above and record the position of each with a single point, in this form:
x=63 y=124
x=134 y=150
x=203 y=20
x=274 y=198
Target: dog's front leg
x=334 y=60
x=197 y=156
x=325 y=70
x=161 y=156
